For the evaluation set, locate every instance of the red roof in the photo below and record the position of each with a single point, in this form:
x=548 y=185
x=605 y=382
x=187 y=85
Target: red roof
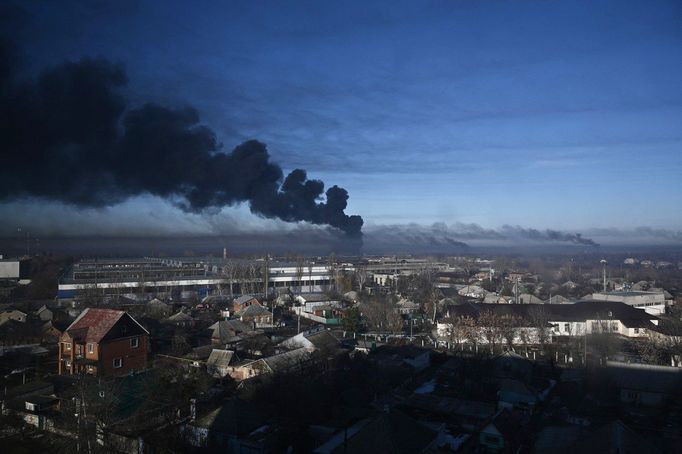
x=93 y=324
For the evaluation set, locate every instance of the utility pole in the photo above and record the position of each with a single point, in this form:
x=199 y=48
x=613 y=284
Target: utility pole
x=267 y=281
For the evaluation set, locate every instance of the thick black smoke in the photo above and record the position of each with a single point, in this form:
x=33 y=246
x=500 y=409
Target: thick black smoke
x=70 y=136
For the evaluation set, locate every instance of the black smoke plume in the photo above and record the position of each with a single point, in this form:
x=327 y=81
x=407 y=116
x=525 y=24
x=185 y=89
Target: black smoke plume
x=545 y=235
x=69 y=135
x=443 y=235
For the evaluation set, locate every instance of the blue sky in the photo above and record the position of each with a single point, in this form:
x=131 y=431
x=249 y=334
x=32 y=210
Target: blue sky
x=546 y=114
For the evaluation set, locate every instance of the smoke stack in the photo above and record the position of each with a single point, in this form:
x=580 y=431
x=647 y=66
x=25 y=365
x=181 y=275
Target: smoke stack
x=224 y=253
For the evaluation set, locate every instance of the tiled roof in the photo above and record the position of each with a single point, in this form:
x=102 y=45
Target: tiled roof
x=93 y=324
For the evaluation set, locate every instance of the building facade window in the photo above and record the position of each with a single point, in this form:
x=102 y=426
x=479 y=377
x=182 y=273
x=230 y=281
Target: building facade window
x=567 y=327
x=78 y=349
x=135 y=342
x=118 y=363
x=68 y=345
x=91 y=347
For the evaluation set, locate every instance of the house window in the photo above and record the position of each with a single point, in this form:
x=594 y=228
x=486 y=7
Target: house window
x=614 y=326
x=78 y=349
x=636 y=330
x=567 y=327
x=118 y=363
x=68 y=345
x=135 y=342
x=68 y=363
x=91 y=348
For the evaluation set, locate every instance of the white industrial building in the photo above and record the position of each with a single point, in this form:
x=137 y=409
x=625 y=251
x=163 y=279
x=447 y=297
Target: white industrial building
x=653 y=302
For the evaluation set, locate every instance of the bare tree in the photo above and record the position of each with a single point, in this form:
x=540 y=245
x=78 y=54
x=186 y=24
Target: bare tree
x=471 y=331
x=456 y=329
x=539 y=320
x=509 y=329
x=361 y=276
x=382 y=314
x=299 y=273
x=491 y=328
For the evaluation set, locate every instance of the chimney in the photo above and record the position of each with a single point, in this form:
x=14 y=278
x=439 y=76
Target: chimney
x=224 y=253
x=192 y=410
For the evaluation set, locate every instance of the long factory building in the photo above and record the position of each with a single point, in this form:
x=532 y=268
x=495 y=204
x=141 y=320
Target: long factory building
x=186 y=277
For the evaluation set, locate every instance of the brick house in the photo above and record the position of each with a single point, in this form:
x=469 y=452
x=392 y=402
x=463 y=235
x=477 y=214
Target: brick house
x=103 y=342
x=244 y=301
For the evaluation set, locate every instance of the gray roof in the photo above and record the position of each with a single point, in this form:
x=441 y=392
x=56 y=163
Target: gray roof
x=659 y=379
x=180 y=317
x=253 y=310
x=323 y=340
x=287 y=360
x=220 y=358
x=244 y=299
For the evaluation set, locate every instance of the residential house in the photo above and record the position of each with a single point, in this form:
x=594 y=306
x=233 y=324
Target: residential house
x=218 y=362
x=563 y=320
x=290 y=361
x=469 y=414
x=44 y=313
x=180 y=320
x=558 y=299
x=389 y=432
x=407 y=306
x=473 y=291
x=229 y=331
x=229 y=428
x=257 y=315
x=320 y=340
x=103 y=342
x=502 y=434
x=13 y=332
x=13 y=314
x=527 y=298
x=514 y=394
x=644 y=384
x=414 y=357
x=158 y=309
x=244 y=301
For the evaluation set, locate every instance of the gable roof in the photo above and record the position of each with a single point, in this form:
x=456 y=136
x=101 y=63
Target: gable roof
x=236 y=416
x=220 y=358
x=244 y=299
x=93 y=324
x=226 y=328
x=323 y=340
x=288 y=360
x=180 y=317
x=579 y=311
x=253 y=310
